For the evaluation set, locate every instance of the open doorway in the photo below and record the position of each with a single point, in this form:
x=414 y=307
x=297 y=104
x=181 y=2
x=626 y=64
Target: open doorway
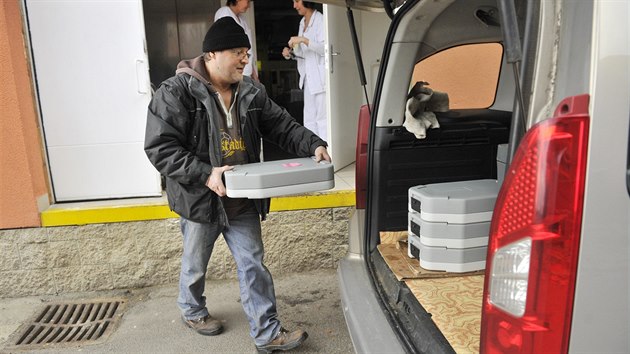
x=174 y=31
x=276 y=22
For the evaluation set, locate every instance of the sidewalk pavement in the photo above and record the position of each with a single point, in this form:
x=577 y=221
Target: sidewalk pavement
x=151 y=322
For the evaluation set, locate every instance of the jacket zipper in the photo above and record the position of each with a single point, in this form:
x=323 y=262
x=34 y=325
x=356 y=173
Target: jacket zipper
x=228 y=112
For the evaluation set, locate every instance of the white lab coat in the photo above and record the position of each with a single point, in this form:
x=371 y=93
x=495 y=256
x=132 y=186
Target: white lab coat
x=225 y=11
x=312 y=67
x=312 y=71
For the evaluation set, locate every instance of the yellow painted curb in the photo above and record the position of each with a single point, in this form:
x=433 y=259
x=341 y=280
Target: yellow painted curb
x=316 y=201
x=106 y=214
x=64 y=216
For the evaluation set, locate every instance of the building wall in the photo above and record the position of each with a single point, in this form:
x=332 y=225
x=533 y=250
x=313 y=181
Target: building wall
x=36 y=260
x=23 y=179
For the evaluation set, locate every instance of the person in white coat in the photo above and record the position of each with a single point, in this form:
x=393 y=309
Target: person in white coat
x=237 y=9
x=308 y=49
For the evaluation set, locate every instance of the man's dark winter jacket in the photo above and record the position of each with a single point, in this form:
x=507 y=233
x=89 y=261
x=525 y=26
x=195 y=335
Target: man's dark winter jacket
x=182 y=137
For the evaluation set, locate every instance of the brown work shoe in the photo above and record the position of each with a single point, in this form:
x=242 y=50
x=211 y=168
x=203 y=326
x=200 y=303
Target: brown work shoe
x=285 y=340
x=207 y=325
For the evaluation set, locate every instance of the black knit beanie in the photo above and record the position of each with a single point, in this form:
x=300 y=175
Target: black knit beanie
x=225 y=33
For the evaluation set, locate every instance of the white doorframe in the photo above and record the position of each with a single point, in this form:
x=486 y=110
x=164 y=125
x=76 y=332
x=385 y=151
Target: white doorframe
x=344 y=90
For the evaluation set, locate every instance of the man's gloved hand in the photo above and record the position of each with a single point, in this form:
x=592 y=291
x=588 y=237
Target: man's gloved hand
x=215 y=183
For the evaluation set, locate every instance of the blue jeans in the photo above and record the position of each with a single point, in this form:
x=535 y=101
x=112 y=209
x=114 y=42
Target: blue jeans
x=244 y=239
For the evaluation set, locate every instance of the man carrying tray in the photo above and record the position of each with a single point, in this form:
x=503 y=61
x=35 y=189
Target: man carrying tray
x=201 y=122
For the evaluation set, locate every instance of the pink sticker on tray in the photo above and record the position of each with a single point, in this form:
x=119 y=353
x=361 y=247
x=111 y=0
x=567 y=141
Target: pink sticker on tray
x=291 y=164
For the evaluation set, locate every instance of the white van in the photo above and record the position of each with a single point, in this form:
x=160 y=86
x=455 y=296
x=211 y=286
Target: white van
x=556 y=273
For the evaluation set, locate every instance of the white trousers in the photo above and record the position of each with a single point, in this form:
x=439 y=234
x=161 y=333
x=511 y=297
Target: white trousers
x=315 y=118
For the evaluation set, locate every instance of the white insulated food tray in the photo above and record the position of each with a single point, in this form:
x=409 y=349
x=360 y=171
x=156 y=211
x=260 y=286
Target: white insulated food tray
x=277 y=178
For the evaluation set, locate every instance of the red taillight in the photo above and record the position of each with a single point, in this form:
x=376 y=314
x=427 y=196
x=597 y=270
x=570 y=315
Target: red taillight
x=361 y=157
x=534 y=238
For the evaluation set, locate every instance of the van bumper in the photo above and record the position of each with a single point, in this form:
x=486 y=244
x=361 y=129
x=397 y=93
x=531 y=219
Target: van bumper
x=369 y=329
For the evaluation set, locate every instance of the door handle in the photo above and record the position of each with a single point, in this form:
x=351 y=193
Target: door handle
x=332 y=53
x=141 y=82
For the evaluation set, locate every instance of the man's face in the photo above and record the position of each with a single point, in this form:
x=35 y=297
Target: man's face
x=227 y=65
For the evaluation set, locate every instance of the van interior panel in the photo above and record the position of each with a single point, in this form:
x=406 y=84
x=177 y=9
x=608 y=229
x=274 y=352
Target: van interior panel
x=463 y=148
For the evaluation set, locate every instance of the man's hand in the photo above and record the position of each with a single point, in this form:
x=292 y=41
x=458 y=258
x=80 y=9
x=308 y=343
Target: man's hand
x=322 y=154
x=215 y=183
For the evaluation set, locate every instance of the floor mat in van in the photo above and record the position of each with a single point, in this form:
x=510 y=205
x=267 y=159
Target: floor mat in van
x=455 y=306
x=453 y=299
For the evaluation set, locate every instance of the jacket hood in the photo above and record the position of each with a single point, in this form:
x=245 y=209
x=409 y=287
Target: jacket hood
x=196 y=68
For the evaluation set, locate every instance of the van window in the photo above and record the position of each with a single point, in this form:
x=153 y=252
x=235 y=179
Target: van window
x=468 y=73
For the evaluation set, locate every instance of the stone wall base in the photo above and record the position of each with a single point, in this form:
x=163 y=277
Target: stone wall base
x=65 y=259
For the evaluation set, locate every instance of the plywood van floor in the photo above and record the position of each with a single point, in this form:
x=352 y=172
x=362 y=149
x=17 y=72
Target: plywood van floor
x=394 y=252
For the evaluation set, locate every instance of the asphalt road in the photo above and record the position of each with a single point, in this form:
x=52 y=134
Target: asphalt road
x=151 y=322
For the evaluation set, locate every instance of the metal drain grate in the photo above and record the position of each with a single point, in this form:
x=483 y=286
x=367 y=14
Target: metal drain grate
x=66 y=323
